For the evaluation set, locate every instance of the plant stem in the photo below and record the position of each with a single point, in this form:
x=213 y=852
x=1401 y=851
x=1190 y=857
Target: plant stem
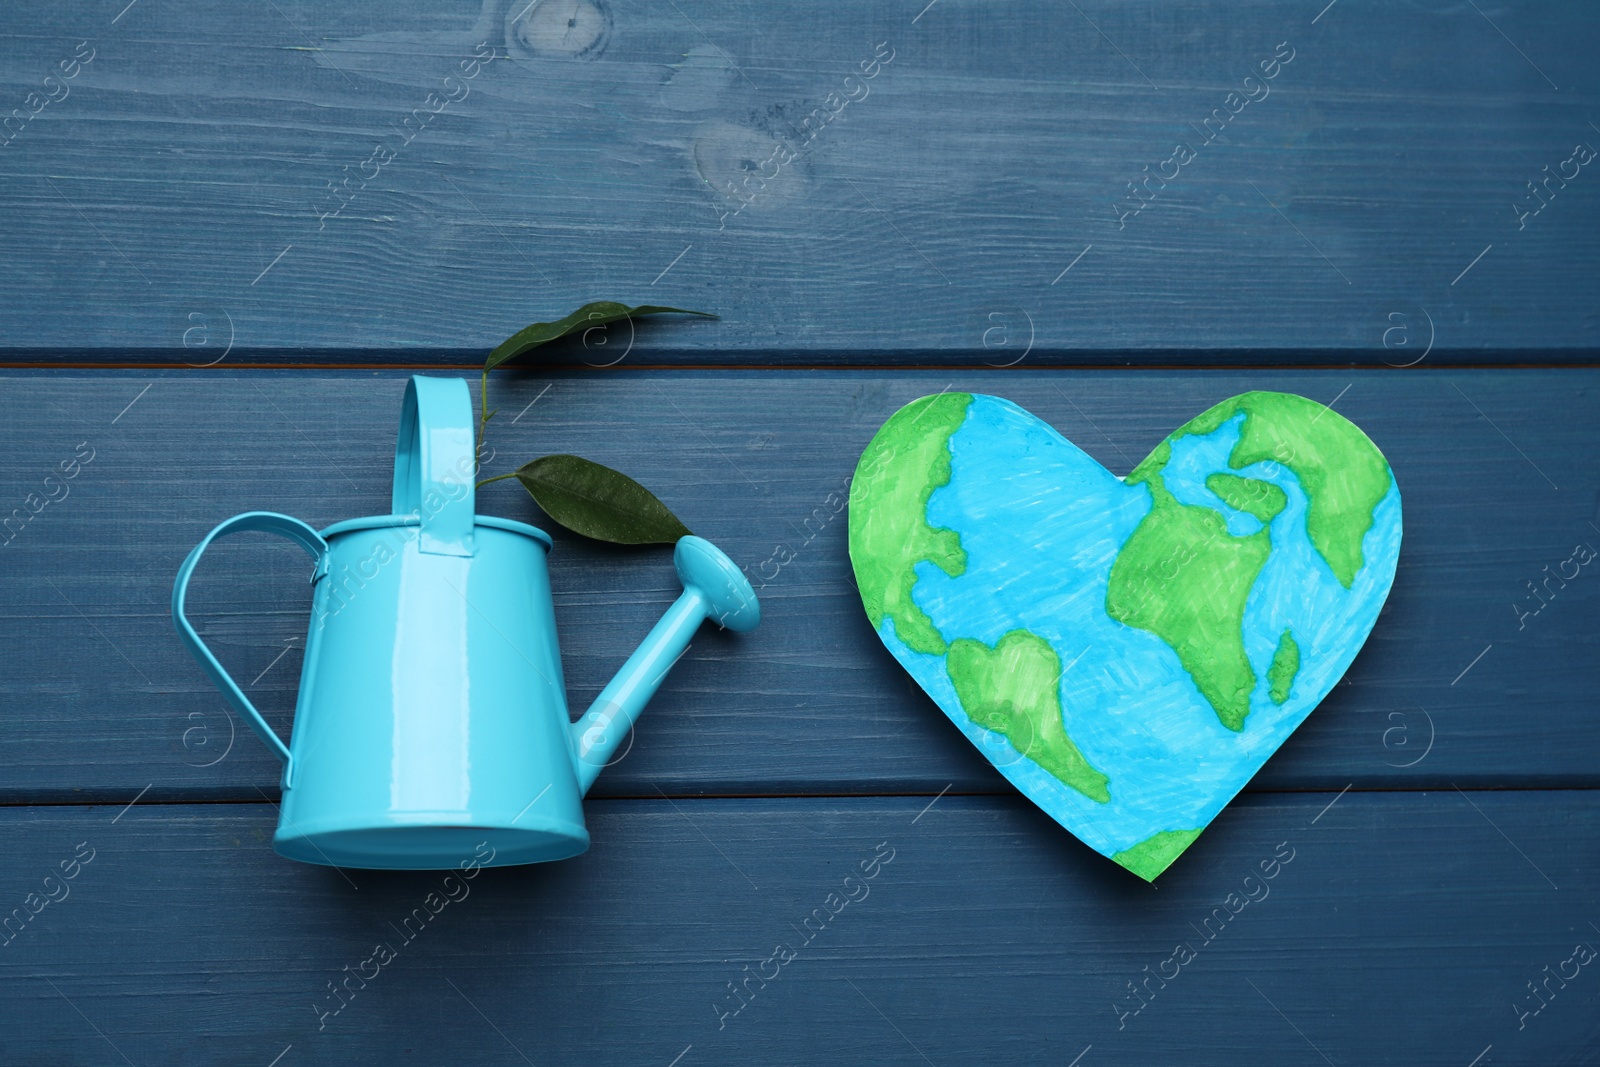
x=496 y=478
x=483 y=420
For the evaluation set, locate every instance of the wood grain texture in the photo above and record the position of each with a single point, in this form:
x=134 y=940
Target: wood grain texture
x=180 y=201
x=101 y=700
x=1401 y=930
x=207 y=189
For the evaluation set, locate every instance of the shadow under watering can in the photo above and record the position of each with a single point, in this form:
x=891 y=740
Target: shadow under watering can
x=432 y=712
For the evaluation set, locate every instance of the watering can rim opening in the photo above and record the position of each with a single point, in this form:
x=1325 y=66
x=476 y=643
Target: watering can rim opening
x=373 y=522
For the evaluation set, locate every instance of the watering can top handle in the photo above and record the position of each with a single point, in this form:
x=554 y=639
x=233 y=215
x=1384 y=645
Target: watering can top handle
x=434 y=464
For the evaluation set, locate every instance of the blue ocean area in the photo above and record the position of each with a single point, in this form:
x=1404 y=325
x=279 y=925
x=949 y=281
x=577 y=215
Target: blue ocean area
x=1042 y=523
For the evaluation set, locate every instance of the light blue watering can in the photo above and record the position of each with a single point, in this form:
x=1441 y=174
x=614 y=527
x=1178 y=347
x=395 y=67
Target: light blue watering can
x=432 y=714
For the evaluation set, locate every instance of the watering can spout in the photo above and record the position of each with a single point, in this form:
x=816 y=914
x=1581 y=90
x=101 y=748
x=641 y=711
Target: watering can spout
x=713 y=588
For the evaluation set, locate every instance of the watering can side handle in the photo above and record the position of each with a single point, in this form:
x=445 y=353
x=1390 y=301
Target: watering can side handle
x=713 y=588
x=265 y=522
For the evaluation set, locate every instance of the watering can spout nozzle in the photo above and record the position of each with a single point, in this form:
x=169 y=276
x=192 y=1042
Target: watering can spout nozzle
x=713 y=588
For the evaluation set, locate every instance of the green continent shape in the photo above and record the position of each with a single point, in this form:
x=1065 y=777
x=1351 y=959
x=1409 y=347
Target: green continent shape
x=906 y=461
x=1285 y=665
x=1342 y=472
x=1013 y=689
x=1155 y=854
x=1184 y=578
x=1249 y=495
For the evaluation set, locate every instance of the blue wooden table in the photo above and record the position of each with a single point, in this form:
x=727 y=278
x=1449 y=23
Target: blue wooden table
x=230 y=233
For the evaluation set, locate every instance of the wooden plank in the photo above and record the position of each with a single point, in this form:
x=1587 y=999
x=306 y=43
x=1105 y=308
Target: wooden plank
x=102 y=701
x=985 y=935
x=244 y=182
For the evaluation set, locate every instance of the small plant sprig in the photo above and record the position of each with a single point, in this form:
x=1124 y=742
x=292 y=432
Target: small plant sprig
x=585 y=497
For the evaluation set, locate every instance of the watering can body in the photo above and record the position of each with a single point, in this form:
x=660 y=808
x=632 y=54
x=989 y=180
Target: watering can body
x=432 y=713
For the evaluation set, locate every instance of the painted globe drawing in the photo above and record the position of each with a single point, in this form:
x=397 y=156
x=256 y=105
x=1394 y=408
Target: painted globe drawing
x=1127 y=652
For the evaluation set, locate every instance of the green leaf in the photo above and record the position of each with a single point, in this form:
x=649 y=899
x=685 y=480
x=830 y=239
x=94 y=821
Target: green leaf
x=598 y=313
x=598 y=502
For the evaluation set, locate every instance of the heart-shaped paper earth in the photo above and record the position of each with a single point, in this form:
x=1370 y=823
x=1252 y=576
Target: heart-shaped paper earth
x=1127 y=652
